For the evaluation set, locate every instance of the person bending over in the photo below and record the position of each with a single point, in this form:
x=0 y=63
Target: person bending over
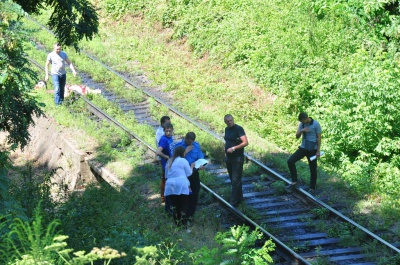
x=192 y=153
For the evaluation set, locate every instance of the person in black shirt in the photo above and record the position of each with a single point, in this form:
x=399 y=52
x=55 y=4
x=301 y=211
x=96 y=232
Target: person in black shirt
x=235 y=141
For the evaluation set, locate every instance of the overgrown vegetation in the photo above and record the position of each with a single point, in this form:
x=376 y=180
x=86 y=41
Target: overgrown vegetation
x=237 y=246
x=277 y=58
x=344 y=74
x=17 y=105
x=33 y=243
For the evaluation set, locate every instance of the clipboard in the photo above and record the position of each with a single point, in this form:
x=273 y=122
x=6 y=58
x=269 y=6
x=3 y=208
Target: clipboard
x=200 y=163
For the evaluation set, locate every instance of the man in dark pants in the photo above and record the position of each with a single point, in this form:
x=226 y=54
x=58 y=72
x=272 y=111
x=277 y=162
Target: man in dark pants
x=310 y=130
x=192 y=153
x=235 y=142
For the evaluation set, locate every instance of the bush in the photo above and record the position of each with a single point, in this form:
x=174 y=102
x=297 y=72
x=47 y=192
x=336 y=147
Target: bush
x=33 y=243
x=236 y=246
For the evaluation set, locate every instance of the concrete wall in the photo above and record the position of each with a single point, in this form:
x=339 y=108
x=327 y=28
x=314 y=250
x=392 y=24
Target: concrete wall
x=54 y=148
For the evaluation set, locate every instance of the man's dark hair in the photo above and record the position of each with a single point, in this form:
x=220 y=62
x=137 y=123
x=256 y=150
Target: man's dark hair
x=228 y=116
x=302 y=116
x=179 y=151
x=168 y=125
x=164 y=118
x=190 y=136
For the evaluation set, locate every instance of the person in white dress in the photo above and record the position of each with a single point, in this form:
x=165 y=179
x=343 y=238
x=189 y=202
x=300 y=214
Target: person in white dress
x=177 y=186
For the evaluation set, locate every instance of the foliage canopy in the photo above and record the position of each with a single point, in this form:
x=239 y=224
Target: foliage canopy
x=71 y=20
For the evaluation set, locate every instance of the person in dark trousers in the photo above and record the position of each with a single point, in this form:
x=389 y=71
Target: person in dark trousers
x=310 y=130
x=177 y=171
x=192 y=153
x=164 y=151
x=235 y=142
x=58 y=59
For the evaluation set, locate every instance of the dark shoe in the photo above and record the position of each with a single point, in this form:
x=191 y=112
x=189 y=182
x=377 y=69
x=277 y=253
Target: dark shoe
x=289 y=188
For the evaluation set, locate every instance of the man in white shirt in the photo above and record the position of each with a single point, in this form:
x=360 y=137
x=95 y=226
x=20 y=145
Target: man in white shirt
x=160 y=129
x=58 y=59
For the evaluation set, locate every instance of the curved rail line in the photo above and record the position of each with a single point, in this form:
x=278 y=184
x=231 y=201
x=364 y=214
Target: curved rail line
x=347 y=254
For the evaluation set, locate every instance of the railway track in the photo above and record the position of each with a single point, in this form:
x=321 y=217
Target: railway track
x=305 y=229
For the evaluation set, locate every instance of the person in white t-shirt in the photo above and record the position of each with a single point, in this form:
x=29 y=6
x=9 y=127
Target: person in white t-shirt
x=58 y=59
x=160 y=129
x=177 y=185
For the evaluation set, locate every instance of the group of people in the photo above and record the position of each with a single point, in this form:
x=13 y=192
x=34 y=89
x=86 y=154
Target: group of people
x=180 y=181
x=236 y=140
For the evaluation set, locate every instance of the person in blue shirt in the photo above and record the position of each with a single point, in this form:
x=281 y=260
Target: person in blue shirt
x=164 y=151
x=192 y=153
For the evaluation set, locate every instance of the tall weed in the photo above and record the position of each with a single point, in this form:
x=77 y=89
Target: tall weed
x=35 y=243
x=237 y=246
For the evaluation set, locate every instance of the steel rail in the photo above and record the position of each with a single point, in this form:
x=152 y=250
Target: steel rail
x=345 y=218
x=109 y=118
x=103 y=114
x=337 y=213
x=35 y=63
x=143 y=89
x=177 y=112
x=287 y=252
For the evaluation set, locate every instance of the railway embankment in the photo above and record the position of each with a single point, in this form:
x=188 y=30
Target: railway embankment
x=69 y=153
